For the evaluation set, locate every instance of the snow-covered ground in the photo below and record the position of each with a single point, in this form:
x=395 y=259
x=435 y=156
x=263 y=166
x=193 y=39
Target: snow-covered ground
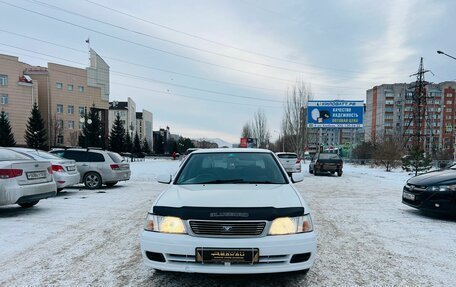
x=366 y=236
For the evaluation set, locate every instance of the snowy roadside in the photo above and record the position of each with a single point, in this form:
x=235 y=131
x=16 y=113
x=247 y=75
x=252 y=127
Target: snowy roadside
x=366 y=236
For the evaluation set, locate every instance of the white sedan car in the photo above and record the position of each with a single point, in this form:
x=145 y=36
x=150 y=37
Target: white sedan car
x=229 y=211
x=64 y=170
x=23 y=180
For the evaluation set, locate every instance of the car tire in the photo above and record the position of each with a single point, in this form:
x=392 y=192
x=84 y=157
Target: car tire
x=332 y=172
x=315 y=172
x=92 y=180
x=339 y=173
x=28 y=204
x=111 y=184
x=310 y=171
x=59 y=190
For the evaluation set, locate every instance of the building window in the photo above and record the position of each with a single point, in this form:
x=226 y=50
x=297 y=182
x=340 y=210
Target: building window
x=81 y=89
x=389 y=102
x=81 y=110
x=71 y=110
x=448 y=110
x=70 y=87
x=59 y=85
x=389 y=109
x=60 y=139
x=449 y=117
x=4 y=99
x=449 y=102
x=70 y=125
x=59 y=124
x=59 y=109
x=81 y=125
x=3 y=80
x=449 y=95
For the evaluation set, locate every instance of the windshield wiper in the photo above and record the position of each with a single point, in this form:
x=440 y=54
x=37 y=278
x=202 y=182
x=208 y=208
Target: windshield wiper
x=261 y=182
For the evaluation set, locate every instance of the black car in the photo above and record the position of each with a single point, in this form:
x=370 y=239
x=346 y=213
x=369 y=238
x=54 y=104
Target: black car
x=326 y=162
x=433 y=191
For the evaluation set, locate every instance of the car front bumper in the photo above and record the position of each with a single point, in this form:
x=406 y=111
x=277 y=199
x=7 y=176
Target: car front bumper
x=435 y=201
x=275 y=252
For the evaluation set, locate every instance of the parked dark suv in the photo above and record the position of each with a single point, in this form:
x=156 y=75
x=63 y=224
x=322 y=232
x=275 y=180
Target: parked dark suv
x=433 y=191
x=96 y=166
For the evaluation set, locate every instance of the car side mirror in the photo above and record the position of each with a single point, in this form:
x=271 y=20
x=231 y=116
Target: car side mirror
x=164 y=178
x=297 y=177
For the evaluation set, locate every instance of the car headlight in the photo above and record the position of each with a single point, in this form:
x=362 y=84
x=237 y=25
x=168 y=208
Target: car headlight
x=442 y=188
x=164 y=224
x=291 y=225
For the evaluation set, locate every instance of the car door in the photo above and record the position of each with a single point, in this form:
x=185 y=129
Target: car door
x=97 y=163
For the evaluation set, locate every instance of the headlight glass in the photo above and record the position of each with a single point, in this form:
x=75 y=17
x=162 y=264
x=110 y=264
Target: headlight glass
x=291 y=225
x=442 y=188
x=164 y=224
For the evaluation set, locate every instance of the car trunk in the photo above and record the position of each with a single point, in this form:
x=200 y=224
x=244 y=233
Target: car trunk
x=33 y=172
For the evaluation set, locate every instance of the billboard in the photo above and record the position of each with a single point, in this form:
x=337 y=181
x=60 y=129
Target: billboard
x=248 y=142
x=335 y=114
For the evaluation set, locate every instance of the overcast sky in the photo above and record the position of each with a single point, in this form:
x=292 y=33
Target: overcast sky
x=204 y=67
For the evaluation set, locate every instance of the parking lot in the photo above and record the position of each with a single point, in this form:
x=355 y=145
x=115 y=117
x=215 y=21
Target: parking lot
x=366 y=236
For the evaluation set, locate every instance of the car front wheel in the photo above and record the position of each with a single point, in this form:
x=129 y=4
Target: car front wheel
x=339 y=173
x=28 y=204
x=92 y=180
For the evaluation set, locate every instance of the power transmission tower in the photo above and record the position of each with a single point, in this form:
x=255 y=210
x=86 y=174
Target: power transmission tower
x=419 y=104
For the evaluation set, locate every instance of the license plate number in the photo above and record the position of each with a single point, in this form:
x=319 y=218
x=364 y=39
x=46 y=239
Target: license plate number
x=408 y=195
x=71 y=168
x=36 y=175
x=223 y=255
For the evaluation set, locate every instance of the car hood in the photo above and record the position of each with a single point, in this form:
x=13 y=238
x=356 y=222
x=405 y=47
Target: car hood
x=230 y=195
x=434 y=178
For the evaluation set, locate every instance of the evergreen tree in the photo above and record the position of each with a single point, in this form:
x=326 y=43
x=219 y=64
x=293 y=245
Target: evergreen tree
x=35 y=134
x=6 y=134
x=146 y=147
x=416 y=161
x=137 y=145
x=92 y=133
x=117 y=136
x=128 y=147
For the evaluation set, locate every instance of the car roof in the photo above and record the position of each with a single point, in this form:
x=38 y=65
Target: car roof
x=284 y=152
x=225 y=150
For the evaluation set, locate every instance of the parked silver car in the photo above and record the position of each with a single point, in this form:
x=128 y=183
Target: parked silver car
x=24 y=181
x=65 y=171
x=97 y=166
x=290 y=161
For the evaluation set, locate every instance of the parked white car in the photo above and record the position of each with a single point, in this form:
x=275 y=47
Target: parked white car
x=23 y=180
x=229 y=211
x=65 y=171
x=290 y=161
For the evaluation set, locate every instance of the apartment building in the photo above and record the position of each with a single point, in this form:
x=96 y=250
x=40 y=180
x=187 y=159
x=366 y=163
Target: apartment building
x=18 y=92
x=390 y=112
x=127 y=112
x=144 y=126
x=66 y=93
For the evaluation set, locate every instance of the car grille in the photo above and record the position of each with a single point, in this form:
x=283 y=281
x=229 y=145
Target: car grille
x=227 y=228
x=416 y=189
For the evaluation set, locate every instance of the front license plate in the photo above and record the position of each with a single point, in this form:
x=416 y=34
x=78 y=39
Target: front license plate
x=36 y=175
x=408 y=195
x=231 y=255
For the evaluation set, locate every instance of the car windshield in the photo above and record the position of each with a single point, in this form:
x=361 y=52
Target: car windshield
x=235 y=167
x=7 y=155
x=328 y=156
x=43 y=155
x=287 y=155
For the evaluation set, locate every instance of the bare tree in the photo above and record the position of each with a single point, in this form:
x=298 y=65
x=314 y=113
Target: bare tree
x=260 y=129
x=247 y=130
x=294 y=119
x=388 y=152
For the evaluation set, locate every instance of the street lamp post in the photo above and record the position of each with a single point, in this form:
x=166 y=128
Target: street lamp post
x=454 y=140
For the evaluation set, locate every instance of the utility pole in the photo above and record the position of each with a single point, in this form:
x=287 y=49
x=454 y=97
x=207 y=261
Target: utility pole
x=419 y=103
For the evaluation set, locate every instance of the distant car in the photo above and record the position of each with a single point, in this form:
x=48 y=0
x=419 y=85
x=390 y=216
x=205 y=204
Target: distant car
x=96 y=166
x=65 y=171
x=433 y=191
x=23 y=180
x=290 y=161
x=229 y=211
x=326 y=162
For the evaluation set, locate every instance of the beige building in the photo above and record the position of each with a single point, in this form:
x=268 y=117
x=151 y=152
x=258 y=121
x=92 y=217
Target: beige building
x=18 y=92
x=144 y=126
x=66 y=93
